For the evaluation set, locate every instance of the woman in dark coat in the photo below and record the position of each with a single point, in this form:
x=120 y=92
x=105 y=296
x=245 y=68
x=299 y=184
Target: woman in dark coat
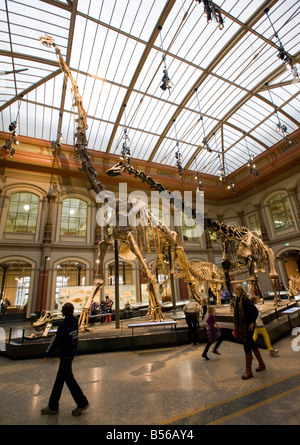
x=245 y=314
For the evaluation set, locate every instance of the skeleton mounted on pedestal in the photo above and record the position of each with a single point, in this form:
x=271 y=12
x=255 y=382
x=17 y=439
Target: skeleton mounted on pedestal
x=241 y=247
x=128 y=235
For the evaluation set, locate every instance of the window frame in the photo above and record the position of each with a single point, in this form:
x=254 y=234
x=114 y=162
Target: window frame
x=289 y=210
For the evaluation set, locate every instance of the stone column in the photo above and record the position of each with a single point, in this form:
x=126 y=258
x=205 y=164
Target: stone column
x=241 y=217
x=48 y=227
x=293 y=193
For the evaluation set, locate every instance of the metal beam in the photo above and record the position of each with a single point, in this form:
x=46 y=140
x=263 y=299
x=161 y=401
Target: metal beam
x=235 y=39
x=166 y=11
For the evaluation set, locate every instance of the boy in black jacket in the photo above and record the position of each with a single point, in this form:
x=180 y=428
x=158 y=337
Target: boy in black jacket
x=66 y=339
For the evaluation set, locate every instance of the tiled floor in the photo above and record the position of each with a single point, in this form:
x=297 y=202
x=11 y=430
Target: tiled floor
x=171 y=386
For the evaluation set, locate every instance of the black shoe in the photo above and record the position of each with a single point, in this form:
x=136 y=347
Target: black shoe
x=77 y=411
x=205 y=356
x=47 y=410
x=216 y=352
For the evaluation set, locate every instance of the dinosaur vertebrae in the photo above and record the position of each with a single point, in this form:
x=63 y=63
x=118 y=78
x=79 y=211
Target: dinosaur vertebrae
x=250 y=246
x=246 y=247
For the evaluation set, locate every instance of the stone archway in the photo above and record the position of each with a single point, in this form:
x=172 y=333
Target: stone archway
x=290 y=258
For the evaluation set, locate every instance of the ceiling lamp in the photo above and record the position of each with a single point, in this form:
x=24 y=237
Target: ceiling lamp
x=251 y=164
x=221 y=170
x=57 y=144
x=280 y=126
x=166 y=81
x=230 y=185
x=197 y=176
x=125 y=152
x=283 y=55
x=178 y=155
x=204 y=142
x=13 y=133
x=210 y=11
x=222 y=174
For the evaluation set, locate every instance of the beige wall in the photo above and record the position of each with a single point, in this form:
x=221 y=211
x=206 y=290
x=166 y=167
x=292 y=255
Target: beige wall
x=51 y=189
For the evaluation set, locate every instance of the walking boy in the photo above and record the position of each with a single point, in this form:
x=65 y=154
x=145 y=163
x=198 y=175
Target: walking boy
x=66 y=339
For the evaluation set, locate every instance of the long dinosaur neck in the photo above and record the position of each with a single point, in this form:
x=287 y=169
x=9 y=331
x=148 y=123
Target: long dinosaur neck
x=80 y=135
x=209 y=223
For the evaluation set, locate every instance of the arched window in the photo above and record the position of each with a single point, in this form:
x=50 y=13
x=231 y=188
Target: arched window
x=254 y=225
x=73 y=217
x=280 y=211
x=22 y=212
x=70 y=273
x=15 y=283
x=125 y=273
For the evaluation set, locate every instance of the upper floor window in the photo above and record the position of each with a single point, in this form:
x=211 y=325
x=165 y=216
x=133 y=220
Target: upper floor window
x=254 y=225
x=22 y=213
x=280 y=211
x=73 y=217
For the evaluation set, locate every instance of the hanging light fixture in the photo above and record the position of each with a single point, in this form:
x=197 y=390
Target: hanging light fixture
x=166 y=81
x=197 y=176
x=125 y=152
x=250 y=163
x=204 y=142
x=230 y=185
x=283 y=55
x=57 y=143
x=212 y=12
x=178 y=155
x=222 y=173
x=221 y=170
x=280 y=126
x=13 y=126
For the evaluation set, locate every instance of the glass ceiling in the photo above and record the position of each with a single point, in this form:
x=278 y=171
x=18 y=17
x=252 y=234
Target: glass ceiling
x=115 y=51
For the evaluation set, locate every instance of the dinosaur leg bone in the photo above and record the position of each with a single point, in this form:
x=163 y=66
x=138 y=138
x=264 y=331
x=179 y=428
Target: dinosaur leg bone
x=155 y=311
x=98 y=283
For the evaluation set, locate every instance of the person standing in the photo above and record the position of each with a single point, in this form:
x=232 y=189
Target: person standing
x=108 y=309
x=204 y=299
x=259 y=326
x=66 y=340
x=245 y=314
x=214 y=332
x=192 y=314
x=212 y=299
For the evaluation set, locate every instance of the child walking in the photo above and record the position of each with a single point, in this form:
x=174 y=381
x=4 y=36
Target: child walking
x=214 y=333
x=259 y=326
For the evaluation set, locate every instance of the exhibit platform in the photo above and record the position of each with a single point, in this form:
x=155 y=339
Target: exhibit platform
x=139 y=333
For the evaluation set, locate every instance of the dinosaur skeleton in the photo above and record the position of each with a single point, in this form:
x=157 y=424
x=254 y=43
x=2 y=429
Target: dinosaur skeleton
x=167 y=243
x=164 y=239
x=294 y=286
x=241 y=247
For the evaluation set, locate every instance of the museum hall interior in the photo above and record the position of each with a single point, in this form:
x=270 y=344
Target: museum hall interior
x=150 y=181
